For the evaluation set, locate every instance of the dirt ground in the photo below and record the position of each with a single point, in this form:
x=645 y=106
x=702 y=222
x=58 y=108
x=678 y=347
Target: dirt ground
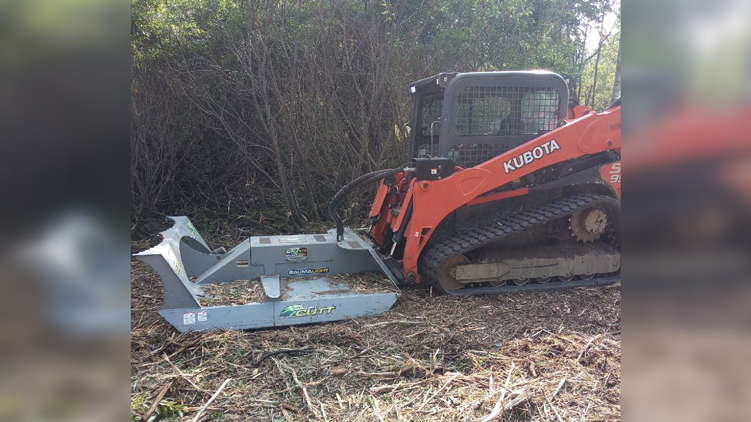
x=552 y=356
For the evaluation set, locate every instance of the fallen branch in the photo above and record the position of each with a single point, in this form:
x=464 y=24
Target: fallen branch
x=436 y=393
x=555 y=412
x=376 y=410
x=203 y=408
x=157 y=400
x=378 y=374
x=300 y=385
x=182 y=374
x=417 y=333
x=399 y=321
x=523 y=396
x=560 y=384
x=586 y=347
x=192 y=409
x=323 y=412
x=295 y=352
x=497 y=409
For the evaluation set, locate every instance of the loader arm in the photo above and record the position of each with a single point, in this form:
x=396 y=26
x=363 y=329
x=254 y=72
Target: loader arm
x=433 y=201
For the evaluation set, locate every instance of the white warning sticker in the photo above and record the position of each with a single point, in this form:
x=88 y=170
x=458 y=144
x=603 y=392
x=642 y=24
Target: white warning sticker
x=203 y=316
x=189 y=318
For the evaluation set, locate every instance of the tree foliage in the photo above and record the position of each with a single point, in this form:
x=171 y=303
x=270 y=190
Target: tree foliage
x=248 y=104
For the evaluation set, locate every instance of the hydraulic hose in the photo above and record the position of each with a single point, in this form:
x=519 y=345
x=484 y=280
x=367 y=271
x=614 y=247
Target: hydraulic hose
x=351 y=186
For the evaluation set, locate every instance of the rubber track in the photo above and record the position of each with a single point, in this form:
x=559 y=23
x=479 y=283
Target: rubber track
x=471 y=239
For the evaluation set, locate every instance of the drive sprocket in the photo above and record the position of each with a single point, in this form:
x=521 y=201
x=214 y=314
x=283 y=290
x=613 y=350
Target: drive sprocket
x=588 y=224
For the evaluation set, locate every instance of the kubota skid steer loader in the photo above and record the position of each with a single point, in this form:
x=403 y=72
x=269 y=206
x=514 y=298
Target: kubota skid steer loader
x=508 y=187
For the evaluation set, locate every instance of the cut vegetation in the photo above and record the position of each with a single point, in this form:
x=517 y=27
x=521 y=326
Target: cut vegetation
x=250 y=291
x=528 y=356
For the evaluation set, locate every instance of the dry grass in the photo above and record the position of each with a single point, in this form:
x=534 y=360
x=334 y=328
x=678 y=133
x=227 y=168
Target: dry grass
x=233 y=293
x=551 y=356
x=250 y=291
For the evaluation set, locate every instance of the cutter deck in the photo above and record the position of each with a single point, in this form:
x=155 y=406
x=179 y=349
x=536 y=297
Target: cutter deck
x=185 y=264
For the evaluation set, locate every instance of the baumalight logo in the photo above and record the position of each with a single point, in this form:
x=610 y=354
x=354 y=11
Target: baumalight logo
x=527 y=157
x=308 y=271
x=300 y=311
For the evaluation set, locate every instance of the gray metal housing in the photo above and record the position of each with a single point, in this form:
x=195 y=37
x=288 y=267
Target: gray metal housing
x=185 y=262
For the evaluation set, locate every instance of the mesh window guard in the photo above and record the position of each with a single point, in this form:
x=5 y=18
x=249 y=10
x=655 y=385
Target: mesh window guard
x=506 y=111
x=431 y=111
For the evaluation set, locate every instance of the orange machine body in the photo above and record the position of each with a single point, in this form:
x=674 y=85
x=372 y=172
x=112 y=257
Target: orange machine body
x=428 y=202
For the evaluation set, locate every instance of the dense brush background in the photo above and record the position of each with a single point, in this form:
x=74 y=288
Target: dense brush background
x=254 y=113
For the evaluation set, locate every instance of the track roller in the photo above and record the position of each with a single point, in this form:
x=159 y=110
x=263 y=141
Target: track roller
x=520 y=281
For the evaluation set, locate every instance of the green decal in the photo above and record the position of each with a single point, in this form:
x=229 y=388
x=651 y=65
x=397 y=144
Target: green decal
x=193 y=231
x=296 y=252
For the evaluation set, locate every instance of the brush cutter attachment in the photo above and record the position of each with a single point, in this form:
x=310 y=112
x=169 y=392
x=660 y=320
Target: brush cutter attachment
x=293 y=272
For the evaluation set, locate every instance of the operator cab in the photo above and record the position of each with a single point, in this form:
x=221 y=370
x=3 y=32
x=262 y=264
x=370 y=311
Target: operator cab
x=469 y=118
